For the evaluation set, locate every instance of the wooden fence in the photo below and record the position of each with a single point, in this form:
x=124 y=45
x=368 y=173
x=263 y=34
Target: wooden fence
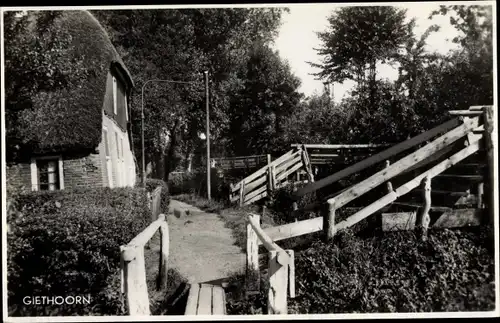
x=246 y=162
x=281 y=267
x=467 y=127
x=325 y=154
x=270 y=177
x=133 y=270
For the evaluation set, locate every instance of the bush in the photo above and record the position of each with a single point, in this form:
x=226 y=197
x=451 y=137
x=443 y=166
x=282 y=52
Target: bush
x=152 y=184
x=182 y=183
x=238 y=303
x=280 y=203
x=396 y=272
x=196 y=183
x=67 y=243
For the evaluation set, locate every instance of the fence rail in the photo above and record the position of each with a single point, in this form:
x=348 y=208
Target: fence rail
x=133 y=268
x=227 y=163
x=469 y=129
x=281 y=267
x=271 y=176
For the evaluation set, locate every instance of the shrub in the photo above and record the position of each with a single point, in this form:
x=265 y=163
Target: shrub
x=238 y=303
x=181 y=183
x=395 y=272
x=67 y=243
x=152 y=184
x=196 y=183
x=280 y=203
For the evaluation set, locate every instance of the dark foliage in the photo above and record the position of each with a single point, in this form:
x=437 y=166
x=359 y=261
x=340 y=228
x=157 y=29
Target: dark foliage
x=196 y=183
x=152 y=184
x=67 y=243
x=56 y=65
x=280 y=204
x=396 y=272
x=238 y=303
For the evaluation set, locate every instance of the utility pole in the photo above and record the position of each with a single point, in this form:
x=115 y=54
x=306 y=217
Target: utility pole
x=209 y=195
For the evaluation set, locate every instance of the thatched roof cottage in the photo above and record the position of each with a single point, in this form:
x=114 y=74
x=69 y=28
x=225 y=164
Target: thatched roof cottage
x=77 y=135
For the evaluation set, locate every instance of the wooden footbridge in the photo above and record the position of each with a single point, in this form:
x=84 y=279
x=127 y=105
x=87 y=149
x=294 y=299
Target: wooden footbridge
x=413 y=166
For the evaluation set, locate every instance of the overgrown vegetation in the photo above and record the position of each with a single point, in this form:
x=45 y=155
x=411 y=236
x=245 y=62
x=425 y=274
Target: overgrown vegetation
x=67 y=243
x=396 y=272
x=56 y=63
x=152 y=184
x=239 y=303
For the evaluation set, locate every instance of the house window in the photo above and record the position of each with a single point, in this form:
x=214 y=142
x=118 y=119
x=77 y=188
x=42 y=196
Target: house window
x=108 y=157
x=126 y=107
x=47 y=174
x=118 y=160
x=115 y=96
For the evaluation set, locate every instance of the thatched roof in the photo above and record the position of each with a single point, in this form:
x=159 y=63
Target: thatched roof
x=69 y=119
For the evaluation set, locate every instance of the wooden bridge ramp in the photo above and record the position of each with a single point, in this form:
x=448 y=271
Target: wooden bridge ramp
x=206 y=299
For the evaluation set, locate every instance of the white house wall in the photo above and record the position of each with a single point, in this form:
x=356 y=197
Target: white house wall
x=123 y=172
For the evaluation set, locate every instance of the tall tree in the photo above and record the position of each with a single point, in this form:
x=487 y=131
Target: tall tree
x=180 y=45
x=269 y=95
x=357 y=39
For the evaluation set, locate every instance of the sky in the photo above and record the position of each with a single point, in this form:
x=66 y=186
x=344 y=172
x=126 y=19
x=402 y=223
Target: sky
x=297 y=39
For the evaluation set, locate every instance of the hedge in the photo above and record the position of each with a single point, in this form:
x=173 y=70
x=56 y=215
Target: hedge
x=152 y=184
x=396 y=272
x=67 y=243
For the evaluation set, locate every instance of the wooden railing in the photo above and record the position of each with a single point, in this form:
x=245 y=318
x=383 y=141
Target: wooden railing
x=281 y=267
x=133 y=270
x=470 y=129
x=255 y=161
x=325 y=154
x=270 y=177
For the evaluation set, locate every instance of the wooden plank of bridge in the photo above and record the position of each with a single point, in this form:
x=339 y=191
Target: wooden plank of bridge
x=218 y=301
x=192 y=301
x=205 y=300
x=386 y=154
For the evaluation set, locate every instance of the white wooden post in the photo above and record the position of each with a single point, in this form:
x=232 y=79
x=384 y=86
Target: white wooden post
x=328 y=211
x=252 y=253
x=242 y=193
x=291 y=272
x=278 y=281
x=389 y=184
x=489 y=141
x=136 y=290
x=480 y=192
x=424 y=218
x=269 y=176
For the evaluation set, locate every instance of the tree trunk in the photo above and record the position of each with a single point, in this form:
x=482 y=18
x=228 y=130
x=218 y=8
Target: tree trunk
x=169 y=156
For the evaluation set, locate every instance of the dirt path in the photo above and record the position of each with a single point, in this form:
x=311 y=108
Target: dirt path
x=201 y=248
